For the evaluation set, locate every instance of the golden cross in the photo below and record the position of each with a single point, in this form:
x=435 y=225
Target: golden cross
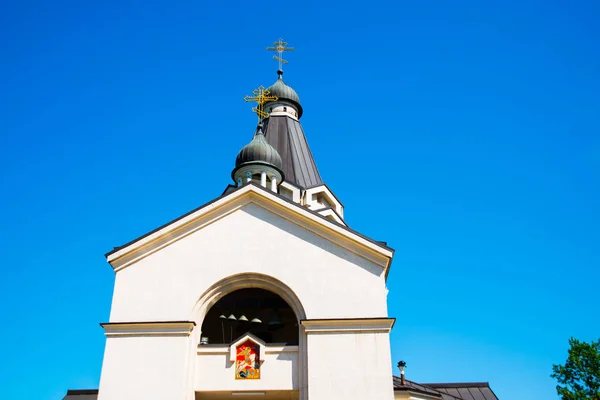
x=280 y=47
x=261 y=96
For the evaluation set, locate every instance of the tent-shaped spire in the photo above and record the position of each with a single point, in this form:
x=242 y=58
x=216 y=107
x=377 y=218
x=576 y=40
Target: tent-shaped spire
x=284 y=132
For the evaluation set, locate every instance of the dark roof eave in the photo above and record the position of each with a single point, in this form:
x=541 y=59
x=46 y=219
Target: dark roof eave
x=415 y=390
x=229 y=188
x=81 y=391
x=117 y=248
x=379 y=244
x=316 y=213
x=457 y=384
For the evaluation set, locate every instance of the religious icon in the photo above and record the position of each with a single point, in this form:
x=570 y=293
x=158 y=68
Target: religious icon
x=247 y=361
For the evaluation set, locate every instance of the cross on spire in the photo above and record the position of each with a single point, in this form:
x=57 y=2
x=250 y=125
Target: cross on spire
x=261 y=96
x=280 y=47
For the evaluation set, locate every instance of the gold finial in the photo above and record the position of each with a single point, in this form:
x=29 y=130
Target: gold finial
x=261 y=96
x=280 y=47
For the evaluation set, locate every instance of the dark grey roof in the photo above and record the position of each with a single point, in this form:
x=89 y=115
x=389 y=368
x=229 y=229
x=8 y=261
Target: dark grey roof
x=444 y=391
x=258 y=151
x=284 y=93
x=414 y=387
x=465 y=391
x=449 y=391
x=230 y=189
x=286 y=135
x=82 y=394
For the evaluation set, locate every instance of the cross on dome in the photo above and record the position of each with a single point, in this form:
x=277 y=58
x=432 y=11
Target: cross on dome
x=280 y=47
x=261 y=96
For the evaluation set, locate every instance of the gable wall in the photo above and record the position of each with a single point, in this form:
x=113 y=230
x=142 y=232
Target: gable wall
x=330 y=281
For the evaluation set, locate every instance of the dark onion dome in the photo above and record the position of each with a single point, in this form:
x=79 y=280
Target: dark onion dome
x=285 y=93
x=258 y=151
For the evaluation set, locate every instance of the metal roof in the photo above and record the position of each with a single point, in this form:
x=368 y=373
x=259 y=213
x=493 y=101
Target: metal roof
x=233 y=190
x=449 y=391
x=258 y=151
x=465 y=391
x=284 y=93
x=415 y=387
x=287 y=136
x=82 y=394
x=444 y=391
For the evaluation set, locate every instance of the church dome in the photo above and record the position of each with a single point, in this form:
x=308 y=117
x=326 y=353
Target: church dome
x=258 y=151
x=285 y=93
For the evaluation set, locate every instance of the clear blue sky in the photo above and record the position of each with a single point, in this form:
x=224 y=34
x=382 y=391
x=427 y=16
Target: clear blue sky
x=466 y=134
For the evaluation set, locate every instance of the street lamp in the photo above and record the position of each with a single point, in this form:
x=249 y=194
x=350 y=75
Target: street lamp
x=401 y=367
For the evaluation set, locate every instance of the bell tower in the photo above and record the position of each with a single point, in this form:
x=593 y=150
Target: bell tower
x=279 y=111
x=264 y=292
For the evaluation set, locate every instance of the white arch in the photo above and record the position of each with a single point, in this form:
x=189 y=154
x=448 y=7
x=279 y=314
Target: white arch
x=244 y=281
x=260 y=281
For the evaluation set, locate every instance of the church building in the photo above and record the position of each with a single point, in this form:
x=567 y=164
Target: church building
x=253 y=295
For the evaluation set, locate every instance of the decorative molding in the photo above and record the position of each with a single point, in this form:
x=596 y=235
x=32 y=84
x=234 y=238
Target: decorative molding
x=330 y=231
x=228 y=204
x=331 y=198
x=330 y=212
x=276 y=349
x=156 y=328
x=348 y=325
x=296 y=192
x=283 y=114
x=224 y=349
x=213 y=349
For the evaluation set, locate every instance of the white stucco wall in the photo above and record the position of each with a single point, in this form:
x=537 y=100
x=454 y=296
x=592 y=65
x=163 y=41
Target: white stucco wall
x=278 y=372
x=349 y=366
x=330 y=281
x=144 y=368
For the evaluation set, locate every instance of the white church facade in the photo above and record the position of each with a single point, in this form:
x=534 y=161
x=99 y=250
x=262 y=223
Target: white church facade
x=263 y=293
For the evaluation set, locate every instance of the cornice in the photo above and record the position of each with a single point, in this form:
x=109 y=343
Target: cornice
x=329 y=211
x=346 y=325
x=225 y=349
x=317 y=224
x=154 y=328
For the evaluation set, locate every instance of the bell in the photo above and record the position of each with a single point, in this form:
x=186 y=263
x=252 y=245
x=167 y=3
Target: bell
x=243 y=318
x=222 y=316
x=275 y=321
x=232 y=317
x=256 y=321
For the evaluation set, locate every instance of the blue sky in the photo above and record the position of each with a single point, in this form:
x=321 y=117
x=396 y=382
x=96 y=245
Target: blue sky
x=465 y=134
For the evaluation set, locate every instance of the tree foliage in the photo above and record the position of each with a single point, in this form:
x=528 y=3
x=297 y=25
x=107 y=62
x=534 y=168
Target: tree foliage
x=579 y=377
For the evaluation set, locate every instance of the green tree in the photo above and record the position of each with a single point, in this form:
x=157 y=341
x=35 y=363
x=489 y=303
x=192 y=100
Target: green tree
x=579 y=378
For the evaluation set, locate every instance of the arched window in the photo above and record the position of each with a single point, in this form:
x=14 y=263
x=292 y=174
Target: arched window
x=258 y=311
